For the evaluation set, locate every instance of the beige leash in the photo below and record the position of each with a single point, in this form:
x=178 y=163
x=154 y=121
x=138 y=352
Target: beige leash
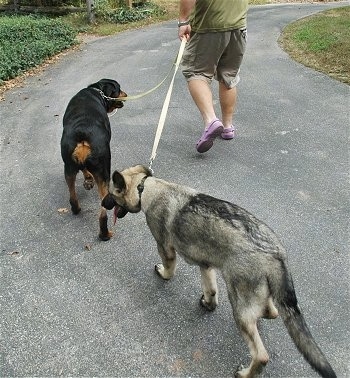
x=135 y=97
x=166 y=105
x=164 y=109
x=166 y=101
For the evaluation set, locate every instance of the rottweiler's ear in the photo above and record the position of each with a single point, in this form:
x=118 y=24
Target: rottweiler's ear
x=118 y=181
x=108 y=202
x=110 y=88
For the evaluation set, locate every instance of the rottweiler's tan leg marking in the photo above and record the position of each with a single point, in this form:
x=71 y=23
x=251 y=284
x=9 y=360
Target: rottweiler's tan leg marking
x=88 y=180
x=104 y=234
x=209 y=299
x=73 y=199
x=168 y=256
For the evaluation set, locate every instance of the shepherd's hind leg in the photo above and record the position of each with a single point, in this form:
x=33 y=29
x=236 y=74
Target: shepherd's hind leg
x=209 y=299
x=257 y=350
x=246 y=319
x=247 y=306
x=271 y=311
x=166 y=270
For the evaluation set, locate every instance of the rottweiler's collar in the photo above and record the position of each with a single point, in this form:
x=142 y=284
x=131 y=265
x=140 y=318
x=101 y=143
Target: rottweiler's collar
x=108 y=101
x=101 y=93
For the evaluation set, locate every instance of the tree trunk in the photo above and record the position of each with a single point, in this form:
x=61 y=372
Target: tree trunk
x=16 y=4
x=90 y=11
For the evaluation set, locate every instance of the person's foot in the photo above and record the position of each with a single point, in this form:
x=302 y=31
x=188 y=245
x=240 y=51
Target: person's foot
x=213 y=130
x=228 y=133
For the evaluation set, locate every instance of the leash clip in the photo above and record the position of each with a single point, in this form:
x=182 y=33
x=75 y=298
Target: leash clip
x=150 y=165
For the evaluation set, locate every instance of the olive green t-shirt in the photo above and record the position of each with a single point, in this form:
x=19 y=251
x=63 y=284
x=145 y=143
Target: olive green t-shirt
x=219 y=15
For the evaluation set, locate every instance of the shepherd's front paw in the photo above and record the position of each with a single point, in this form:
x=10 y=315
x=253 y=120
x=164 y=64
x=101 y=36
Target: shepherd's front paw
x=160 y=270
x=206 y=305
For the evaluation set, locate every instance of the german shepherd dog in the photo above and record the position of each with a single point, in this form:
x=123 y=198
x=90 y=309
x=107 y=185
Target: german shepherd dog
x=85 y=141
x=218 y=235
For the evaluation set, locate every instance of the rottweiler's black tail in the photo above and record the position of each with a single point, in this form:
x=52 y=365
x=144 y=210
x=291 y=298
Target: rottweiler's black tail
x=81 y=152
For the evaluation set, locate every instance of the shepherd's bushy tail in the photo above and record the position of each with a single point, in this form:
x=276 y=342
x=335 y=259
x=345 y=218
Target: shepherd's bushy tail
x=294 y=321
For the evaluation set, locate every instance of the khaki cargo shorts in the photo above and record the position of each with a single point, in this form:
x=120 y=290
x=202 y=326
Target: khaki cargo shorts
x=215 y=55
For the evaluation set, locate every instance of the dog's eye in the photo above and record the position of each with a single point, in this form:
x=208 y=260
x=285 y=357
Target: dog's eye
x=118 y=191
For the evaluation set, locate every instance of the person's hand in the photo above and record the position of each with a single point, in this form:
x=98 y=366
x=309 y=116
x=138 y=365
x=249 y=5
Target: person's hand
x=184 y=32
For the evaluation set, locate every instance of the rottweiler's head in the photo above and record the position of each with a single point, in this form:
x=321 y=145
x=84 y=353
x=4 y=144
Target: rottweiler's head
x=111 y=89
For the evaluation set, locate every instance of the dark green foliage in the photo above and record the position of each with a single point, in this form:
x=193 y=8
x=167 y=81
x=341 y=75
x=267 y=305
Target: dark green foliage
x=26 y=41
x=47 y=3
x=125 y=15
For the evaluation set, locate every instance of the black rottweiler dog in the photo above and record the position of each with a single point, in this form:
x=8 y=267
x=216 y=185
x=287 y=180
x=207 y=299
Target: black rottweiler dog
x=85 y=141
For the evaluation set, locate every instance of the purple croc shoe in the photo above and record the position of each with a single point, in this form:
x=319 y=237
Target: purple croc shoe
x=228 y=133
x=213 y=130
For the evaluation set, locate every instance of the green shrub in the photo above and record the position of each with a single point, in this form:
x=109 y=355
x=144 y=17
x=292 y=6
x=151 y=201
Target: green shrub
x=123 y=15
x=26 y=41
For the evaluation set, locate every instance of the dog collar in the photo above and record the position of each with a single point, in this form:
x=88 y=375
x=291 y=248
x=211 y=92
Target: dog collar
x=103 y=95
x=141 y=186
x=99 y=91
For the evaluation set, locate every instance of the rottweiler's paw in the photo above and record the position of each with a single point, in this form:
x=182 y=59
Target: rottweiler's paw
x=105 y=237
x=75 y=208
x=89 y=183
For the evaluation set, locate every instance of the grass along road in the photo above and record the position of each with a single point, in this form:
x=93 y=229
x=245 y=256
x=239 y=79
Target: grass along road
x=322 y=42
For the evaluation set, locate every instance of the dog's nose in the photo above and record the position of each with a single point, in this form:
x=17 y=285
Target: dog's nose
x=108 y=202
x=122 y=212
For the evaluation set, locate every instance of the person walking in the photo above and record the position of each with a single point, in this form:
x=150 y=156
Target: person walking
x=216 y=33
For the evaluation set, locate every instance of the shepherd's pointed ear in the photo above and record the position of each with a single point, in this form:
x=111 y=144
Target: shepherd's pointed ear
x=118 y=181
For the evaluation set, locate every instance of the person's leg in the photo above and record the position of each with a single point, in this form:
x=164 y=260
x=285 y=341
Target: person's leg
x=201 y=93
x=202 y=96
x=228 y=97
x=228 y=76
x=199 y=63
x=198 y=66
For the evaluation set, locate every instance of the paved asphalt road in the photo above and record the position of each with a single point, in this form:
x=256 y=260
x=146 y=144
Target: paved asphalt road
x=74 y=306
